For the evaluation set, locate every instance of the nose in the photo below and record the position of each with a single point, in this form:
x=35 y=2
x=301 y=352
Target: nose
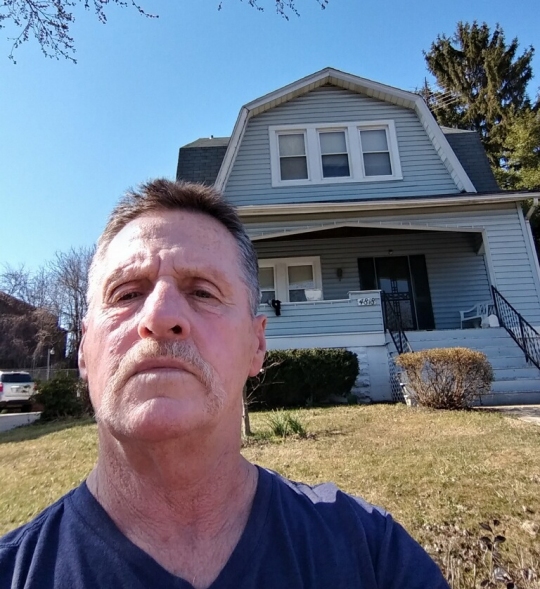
x=165 y=313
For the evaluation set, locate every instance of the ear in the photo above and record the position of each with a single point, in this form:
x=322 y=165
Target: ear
x=82 y=363
x=259 y=325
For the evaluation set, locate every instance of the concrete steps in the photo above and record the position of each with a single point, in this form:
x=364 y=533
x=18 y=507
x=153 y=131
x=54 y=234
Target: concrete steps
x=515 y=381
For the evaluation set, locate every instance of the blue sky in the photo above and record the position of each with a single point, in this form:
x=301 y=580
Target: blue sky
x=74 y=137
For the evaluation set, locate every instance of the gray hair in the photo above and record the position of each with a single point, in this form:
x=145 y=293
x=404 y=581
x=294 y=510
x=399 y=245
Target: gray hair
x=162 y=194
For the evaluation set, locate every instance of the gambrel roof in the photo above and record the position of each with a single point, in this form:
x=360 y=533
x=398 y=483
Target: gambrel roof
x=209 y=160
x=201 y=160
x=331 y=76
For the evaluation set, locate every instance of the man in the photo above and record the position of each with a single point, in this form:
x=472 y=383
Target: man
x=170 y=337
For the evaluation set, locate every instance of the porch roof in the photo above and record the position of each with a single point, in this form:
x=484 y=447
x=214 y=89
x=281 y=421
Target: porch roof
x=386 y=204
x=357 y=228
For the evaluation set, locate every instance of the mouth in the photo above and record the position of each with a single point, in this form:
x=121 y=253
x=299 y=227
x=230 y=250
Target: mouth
x=161 y=365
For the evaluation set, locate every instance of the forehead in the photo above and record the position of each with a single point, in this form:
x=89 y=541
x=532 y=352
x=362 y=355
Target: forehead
x=196 y=238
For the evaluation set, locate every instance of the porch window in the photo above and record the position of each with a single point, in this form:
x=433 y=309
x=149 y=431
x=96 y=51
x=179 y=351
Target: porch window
x=300 y=279
x=288 y=279
x=267 y=284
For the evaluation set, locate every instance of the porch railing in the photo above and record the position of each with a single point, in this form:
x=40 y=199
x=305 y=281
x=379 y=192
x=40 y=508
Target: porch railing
x=394 y=325
x=523 y=333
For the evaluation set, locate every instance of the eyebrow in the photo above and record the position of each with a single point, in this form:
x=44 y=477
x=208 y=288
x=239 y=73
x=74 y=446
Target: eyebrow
x=212 y=273
x=124 y=272
x=118 y=274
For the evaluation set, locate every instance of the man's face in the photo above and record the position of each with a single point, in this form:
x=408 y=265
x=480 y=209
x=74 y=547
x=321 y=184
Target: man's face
x=169 y=338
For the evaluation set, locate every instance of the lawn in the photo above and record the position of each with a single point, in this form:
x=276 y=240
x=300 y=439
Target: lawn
x=440 y=474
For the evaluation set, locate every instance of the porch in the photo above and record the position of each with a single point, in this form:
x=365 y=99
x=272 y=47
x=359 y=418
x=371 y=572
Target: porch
x=429 y=275
x=356 y=320
x=358 y=324
x=355 y=323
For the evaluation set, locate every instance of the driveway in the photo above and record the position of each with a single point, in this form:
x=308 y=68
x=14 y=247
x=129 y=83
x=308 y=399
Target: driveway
x=12 y=420
x=530 y=413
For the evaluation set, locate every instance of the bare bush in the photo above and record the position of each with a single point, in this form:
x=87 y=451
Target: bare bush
x=446 y=378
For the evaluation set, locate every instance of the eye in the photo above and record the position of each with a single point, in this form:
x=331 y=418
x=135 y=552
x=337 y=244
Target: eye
x=201 y=293
x=125 y=294
x=128 y=296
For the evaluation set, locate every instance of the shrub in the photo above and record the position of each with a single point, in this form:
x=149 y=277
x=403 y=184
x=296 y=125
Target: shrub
x=284 y=424
x=446 y=378
x=61 y=397
x=299 y=378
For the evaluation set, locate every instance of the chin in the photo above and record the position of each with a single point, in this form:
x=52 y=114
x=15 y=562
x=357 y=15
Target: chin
x=158 y=419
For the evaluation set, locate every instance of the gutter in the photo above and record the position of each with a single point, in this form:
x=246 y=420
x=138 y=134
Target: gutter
x=383 y=205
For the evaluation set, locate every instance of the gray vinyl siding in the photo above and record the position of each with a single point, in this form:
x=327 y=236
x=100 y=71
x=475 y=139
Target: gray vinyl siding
x=456 y=274
x=323 y=318
x=423 y=172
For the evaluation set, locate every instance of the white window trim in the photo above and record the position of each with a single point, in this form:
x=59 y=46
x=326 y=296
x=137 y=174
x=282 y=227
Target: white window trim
x=293 y=132
x=313 y=152
x=320 y=130
x=281 y=275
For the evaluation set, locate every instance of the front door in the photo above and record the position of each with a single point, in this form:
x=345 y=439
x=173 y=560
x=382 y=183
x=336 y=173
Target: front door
x=394 y=279
x=404 y=281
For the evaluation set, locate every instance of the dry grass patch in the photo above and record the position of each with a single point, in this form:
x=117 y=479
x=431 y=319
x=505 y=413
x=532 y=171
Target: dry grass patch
x=39 y=464
x=439 y=473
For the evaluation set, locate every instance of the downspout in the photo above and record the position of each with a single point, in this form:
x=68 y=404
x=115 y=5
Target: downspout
x=533 y=208
x=532 y=245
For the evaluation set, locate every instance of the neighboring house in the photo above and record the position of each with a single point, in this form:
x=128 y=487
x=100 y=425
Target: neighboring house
x=367 y=215
x=27 y=333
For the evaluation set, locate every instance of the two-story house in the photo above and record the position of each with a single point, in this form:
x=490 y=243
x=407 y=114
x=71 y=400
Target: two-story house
x=374 y=226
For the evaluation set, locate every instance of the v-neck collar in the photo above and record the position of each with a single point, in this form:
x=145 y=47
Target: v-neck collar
x=145 y=567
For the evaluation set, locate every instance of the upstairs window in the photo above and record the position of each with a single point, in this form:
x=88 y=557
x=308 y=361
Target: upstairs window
x=334 y=153
x=292 y=157
x=375 y=152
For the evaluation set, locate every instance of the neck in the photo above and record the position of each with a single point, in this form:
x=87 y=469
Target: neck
x=183 y=503
x=171 y=487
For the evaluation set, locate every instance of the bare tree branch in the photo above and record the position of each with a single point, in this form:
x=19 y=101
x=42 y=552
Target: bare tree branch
x=282 y=7
x=49 y=22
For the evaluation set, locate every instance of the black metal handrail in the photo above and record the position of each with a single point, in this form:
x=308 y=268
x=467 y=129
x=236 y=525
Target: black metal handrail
x=392 y=322
x=522 y=332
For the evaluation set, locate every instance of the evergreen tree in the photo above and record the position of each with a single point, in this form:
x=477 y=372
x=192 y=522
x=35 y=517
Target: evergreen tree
x=481 y=82
x=520 y=161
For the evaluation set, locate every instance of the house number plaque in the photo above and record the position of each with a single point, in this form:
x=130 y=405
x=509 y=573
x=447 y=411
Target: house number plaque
x=367 y=302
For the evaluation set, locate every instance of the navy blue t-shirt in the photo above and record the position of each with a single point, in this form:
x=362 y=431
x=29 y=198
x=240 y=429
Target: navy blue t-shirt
x=296 y=537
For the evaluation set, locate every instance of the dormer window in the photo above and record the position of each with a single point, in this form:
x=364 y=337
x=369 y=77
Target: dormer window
x=334 y=154
x=292 y=156
x=330 y=153
x=375 y=152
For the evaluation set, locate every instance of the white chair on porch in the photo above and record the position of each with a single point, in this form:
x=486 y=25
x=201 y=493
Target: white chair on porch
x=478 y=315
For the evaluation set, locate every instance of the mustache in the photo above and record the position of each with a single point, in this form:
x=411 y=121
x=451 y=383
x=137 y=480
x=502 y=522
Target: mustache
x=177 y=350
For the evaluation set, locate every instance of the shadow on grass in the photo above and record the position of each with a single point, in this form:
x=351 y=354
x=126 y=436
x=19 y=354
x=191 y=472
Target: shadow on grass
x=39 y=429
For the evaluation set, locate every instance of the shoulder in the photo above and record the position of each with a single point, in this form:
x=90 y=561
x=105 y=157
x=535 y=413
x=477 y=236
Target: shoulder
x=19 y=535
x=396 y=559
x=19 y=547
x=327 y=498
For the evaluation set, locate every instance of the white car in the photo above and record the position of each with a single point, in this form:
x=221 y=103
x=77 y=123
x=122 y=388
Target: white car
x=16 y=389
